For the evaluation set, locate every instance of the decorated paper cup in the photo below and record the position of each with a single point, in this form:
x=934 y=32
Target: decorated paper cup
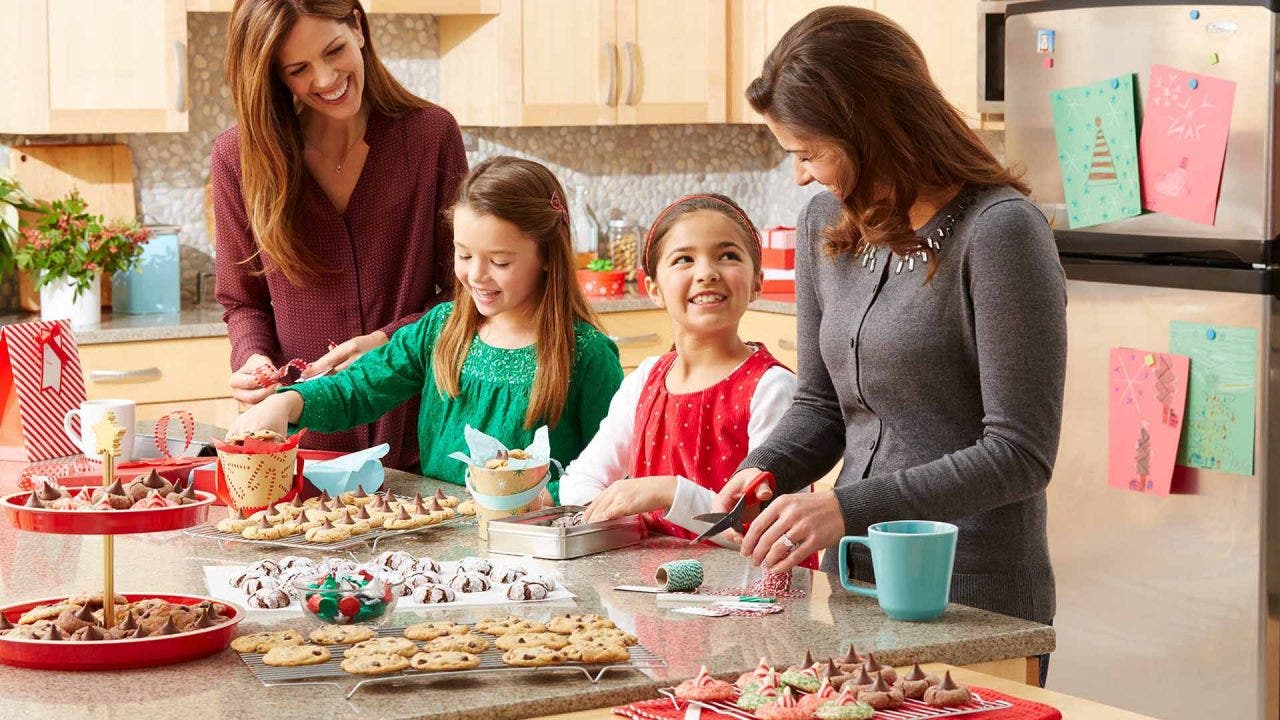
x=502 y=493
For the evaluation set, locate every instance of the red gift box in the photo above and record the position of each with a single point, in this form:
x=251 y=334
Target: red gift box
x=40 y=382
x=780 y=258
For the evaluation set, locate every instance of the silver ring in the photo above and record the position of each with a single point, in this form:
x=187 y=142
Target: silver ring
x=786 y=540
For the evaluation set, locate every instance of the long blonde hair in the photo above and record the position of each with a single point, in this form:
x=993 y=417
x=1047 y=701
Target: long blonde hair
x=270 y=133
x=527 y=195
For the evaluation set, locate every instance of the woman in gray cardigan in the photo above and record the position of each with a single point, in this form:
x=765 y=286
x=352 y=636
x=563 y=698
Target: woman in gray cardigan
x=931 y=322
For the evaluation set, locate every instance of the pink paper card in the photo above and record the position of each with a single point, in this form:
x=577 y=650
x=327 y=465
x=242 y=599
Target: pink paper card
x=1184 y=140
x=1148 y=393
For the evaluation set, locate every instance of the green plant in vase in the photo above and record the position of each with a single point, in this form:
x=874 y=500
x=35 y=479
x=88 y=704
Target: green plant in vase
x=69 y=250
x=12 y=199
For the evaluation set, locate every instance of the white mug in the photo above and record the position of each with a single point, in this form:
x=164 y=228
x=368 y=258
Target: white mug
x=91 y=412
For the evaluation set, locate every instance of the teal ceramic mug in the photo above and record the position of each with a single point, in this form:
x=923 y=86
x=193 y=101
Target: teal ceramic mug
x=912 y=561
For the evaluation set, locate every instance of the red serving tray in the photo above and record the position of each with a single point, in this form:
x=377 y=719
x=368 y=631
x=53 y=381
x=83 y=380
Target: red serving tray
x=119 y=654
x=104 y=522
x=206 y=479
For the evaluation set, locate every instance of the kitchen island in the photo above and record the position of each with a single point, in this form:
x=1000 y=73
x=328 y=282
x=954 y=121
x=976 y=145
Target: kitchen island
x=39 y=566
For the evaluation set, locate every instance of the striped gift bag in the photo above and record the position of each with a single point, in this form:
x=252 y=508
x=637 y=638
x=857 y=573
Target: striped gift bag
x=40 y=381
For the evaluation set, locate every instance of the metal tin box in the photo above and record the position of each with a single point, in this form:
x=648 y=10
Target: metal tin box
x=534 y=534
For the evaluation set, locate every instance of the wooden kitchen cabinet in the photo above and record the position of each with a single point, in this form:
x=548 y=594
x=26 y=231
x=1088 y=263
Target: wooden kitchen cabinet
x=639 y=334
x=164 y=375
x=946 y=30
x=586 y=62
x=94 y=66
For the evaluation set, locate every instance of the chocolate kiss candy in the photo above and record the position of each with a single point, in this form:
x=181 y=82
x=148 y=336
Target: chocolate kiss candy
x=419 y=508
x=432 y=505
x=115 y=488
x=363 y=514
x=92 y=633
x=141 y=632
x=167 y=628
x=871 y=664
x=324 y=496
x=326 y=524
x=948 y=683
x=830 y=670
x=417 y=498
x=128 y=623
x=4 y=623
x=33 y=501
x=84 y=613
x=439 y=494
x=387 y=496
x=360 y=492
x=346 y=519
x=54 y=634
x=808 y=660
x=48 y=491
x=851 y=657
x=297 y=501
x=879 y=686
x=915 y=674
x=863 y=678
x=212 y=612
x=402 y=515
x=204 y=621
x=262 y=523
x=189 y=492
x=324 y=506
x=153 y=480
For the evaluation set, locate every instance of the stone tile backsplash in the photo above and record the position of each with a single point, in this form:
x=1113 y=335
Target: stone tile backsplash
x=638 y=169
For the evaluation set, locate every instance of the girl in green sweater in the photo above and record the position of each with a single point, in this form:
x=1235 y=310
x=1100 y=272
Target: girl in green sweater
x=518 y=348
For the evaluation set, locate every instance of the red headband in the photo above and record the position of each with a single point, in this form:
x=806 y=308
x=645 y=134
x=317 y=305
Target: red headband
x=648 y=238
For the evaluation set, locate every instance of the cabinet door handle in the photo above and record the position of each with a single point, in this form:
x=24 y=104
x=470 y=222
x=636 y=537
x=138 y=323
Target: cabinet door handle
x=786 y=345
x=633 y=81
x=122 y=376
x=610 y=58
x=180 y=92
x=635 y=339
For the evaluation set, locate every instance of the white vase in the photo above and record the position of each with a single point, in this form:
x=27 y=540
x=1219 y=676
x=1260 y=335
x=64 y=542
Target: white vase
x=58 y=301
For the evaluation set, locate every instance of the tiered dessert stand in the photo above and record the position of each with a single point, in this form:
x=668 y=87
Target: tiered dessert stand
x=128 y=652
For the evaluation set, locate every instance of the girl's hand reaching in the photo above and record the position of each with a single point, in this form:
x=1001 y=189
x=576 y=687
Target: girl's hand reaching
x=275 y=413
x=632 y=496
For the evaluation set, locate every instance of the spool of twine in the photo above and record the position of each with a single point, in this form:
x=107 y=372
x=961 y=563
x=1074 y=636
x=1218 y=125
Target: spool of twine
x=679 y=575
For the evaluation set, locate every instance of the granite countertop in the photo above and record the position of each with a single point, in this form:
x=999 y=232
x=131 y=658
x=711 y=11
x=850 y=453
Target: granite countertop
x=37 y=565
x=206 y=320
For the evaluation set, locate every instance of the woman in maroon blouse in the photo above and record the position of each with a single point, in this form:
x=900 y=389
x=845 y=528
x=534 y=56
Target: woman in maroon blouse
x=327 y=199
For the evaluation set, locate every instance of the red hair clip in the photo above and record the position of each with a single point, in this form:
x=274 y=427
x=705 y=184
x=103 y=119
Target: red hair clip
x=558 y=206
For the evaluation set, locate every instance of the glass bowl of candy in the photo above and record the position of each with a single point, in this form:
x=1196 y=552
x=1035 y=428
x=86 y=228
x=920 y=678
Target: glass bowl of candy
x=348 y=598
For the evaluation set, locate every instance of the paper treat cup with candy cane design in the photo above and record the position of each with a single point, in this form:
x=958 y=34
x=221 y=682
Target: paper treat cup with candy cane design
x=257 y=473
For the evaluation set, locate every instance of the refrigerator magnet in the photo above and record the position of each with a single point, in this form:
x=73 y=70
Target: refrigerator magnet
x=1044 y=42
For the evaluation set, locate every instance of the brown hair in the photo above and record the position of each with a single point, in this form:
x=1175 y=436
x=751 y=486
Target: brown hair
x=270 y=134
x=856 y=84
x=527 y=195
x=712 y=202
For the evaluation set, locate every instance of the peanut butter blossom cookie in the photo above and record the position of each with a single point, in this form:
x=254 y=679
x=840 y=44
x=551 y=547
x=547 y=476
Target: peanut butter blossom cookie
x=704 y=688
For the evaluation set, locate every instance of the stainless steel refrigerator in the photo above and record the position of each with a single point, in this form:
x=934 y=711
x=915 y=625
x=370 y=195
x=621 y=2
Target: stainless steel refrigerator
x=1168 y=606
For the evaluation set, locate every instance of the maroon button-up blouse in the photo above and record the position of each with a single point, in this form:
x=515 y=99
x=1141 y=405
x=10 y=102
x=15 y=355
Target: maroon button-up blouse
x=391 y=252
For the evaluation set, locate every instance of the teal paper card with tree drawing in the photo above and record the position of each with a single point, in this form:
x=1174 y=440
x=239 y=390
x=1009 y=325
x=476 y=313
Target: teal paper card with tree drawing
x=1217 y=429
x=1097 y=150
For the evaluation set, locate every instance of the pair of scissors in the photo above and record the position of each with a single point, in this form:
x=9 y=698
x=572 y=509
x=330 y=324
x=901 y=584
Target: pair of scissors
x=733 y=519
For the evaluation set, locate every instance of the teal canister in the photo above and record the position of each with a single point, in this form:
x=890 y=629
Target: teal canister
x=155 y=285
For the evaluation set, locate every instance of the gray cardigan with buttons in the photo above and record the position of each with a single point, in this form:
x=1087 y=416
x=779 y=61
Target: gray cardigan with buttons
x=944 y=399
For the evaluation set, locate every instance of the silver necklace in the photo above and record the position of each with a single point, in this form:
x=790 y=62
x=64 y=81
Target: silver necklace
x=343 y=159
x=933 y=241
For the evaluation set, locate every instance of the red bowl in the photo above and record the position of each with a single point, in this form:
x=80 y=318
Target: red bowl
x=104 y=522
x=119 y=654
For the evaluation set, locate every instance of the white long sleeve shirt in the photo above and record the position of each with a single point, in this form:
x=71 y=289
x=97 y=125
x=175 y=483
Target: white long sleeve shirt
x=607 y=458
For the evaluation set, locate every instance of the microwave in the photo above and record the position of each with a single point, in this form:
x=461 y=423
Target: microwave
x=991 y=56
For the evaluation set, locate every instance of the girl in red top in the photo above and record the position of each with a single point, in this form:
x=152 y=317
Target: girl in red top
x=682 y=422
